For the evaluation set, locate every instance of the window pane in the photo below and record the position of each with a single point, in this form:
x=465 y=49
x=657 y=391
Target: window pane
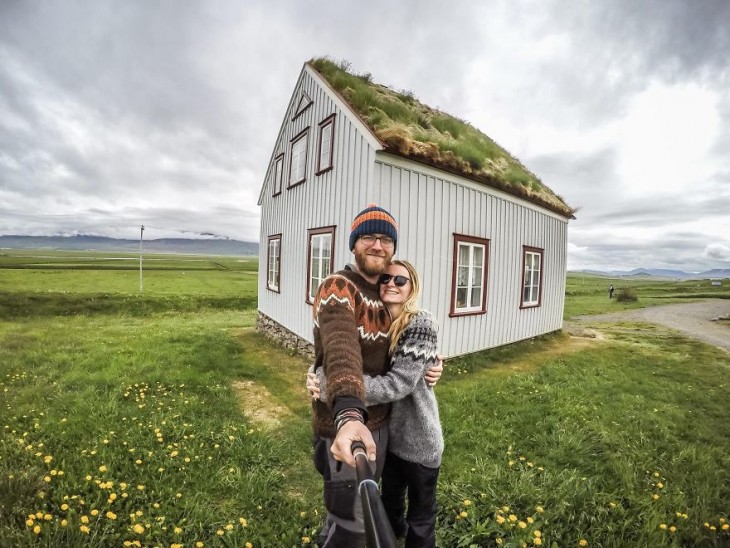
x=315 y=267
x=461 y=297
x=476 y=297
x=462 y=276
x=478 y=258
x=316 y=242
x=476 y=280
x=326 y=245
x=463 y=255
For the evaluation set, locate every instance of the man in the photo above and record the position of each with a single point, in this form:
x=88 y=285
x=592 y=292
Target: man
x=351 y=338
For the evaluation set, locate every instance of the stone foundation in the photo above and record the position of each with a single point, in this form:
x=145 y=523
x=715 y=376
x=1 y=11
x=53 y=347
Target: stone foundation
x=283 y=336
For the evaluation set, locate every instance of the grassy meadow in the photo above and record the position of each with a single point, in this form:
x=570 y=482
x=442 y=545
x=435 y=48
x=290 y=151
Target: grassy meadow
x=164 y=419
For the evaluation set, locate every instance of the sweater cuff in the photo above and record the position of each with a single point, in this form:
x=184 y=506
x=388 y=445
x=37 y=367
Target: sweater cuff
x=349 y=402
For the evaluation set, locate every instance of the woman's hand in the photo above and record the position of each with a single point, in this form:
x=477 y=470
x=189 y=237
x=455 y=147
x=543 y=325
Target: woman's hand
x=313 y=386
x=434 y=373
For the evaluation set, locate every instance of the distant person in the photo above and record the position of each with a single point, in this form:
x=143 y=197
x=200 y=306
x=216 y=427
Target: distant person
x=415 y=440
x=610 y=291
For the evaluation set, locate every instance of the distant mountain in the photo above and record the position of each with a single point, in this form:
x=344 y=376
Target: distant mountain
x=162 y=245
x=662 y=273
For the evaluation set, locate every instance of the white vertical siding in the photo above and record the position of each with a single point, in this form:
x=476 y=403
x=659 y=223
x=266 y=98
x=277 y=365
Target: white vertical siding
x=330 y=199
x=430 y=207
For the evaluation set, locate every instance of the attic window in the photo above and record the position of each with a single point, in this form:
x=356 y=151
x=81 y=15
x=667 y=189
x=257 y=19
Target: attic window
x=326 y=146
x=469 y=277
x=531 y=277
x=278 y=173
x=298 y=159
x=304 y=103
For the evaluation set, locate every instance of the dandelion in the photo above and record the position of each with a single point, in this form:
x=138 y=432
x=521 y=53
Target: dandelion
x=37 y=529
x=111 y=515
x=47 y=459
x=64 y=507
x=467 y=502
x=140 y=487
x=499 y=541
x=305 y=540
x=64 y=522
x=84 y=529
x=539 y=509
x=672 y=529
x=229 y=527
x=244 y=523
x=47 y=479
x=522 y=524
x=500 y=520
x=249 y=545
x=103 y=468
x=139 y=529
x=582 y=542
x=537 y=541
x=463 y=514
x=655 y=496
x=199 y=544
x=88 y=478
x=84 y=519
x=537 y=533
x=138 y=461
x=530 y=520
x=725 y=527
x=219 y=532
x=512 y=518
x=175 y=545
x=94 y=512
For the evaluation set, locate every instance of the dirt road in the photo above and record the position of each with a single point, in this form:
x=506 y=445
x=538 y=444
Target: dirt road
x=693 y=319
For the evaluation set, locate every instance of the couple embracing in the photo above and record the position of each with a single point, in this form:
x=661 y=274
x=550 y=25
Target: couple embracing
x=375 y=365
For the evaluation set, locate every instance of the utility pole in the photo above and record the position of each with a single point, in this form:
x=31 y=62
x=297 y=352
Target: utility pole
x=141 y=232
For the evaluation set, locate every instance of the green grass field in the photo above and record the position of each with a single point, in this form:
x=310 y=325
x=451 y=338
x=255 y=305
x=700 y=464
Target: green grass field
x=163 y=418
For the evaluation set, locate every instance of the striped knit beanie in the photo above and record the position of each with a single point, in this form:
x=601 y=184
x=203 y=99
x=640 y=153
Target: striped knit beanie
x=373 y=220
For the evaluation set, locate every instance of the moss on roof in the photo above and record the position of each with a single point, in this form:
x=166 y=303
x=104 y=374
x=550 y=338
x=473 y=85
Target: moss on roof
x=409 y=128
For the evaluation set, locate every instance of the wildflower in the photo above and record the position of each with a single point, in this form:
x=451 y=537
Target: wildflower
x=582 y=542
x=37 y=529
x=112 y=496
x=103 y=468
x=111 y=515
x=219 y=532
x=178 y=495
x=249 y=545
x=88 y=478
x=655 y=496
x=499 y=541
x=500 y=520
x=530 y=520
x=139 y=529
x=537 y=541
x=522 y=524
x=84 y=519
x=64 y=522
x=229 y=527
x=537 y=533
x=47 y=479
x=305 y=540
x=725 y=527
x=467 y=502
x=47 y=459
x=94 y=512
x=463 y=514
x=672 y=529
x=539 y=509
x=84 y=529
x=175 y=545
x=138 y=461
x=656 y=474
x=199 y=544
x=140 y=487
x=505 y=508
x=512 y=518
x=244 y=523
x=64 y=507
x=39 y=515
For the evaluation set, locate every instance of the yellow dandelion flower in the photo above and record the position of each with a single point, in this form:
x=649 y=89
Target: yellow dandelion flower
x=662 y=526
x=64 y=522
x=47 y=517
x=103 y=468
x=177 y=530
x=127 y=543
x=582 y=542
x=499 y=541
x=84 y=529
x=138 y=528
x=29 y=522
x=47 y=479
x=463 y=514
x=655 y=496
x=305 y=540
x=47 y=459
x=672 y=529
x=138 y=461
x=112 y=496
x=94 y=512
x=522 y=524
x=229 y=527
x=140 y=487
x=64 y=507
x=39 y=515
x=530 y=520
x=512 y=518
x=537 y=541
x=88 y=478
x=199 y=544
x=176 y=545
x=111 y=515
x=505 y=508
x=722 y=520
x=725 y=527
x=539 y=509
x=249 y=545
x=660 y=485
x=178 y=495
x=244 y=523
x=219 y=532
x=467 y=502
x=537 y=533
x=37 y=529
x=84 y=519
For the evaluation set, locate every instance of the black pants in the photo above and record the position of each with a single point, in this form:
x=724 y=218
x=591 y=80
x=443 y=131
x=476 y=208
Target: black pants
x=419 y=482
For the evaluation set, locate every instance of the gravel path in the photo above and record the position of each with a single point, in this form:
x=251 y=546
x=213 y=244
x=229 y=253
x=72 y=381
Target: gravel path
x=692 y=319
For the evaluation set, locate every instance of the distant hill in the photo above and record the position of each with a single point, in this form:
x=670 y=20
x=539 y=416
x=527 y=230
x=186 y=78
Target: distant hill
x=162 y=245
x=661 y=273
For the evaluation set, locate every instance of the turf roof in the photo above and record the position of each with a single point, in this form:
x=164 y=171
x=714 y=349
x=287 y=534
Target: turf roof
x=409 y=128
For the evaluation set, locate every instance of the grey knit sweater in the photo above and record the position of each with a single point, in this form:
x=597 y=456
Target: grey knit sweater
x=415 y=428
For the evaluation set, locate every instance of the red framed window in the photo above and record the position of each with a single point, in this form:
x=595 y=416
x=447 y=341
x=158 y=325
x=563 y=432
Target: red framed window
x=469 y=277
x=273 y=262
x=531 y=277
x=298 y=159
x=278 y=173
x=326 y=145
x=320 y=258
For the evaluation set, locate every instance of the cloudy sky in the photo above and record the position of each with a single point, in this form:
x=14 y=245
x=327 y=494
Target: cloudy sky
x=164 y=113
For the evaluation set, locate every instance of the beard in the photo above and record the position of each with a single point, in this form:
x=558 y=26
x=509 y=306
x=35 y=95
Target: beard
x=371 y=265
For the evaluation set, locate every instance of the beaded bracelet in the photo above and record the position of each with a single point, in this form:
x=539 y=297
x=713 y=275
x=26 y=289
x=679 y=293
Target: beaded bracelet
x=348 y=415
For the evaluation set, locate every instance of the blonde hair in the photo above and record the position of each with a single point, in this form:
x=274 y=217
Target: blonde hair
x=410 y=306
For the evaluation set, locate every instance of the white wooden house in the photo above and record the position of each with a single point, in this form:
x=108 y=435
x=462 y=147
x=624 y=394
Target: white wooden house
x=492 y=254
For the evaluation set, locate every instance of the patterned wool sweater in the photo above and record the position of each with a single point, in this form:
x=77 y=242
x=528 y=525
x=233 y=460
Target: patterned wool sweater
x=350 y=339
x=415 y=427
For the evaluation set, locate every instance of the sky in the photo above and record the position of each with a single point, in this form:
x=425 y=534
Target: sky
x=165 y=113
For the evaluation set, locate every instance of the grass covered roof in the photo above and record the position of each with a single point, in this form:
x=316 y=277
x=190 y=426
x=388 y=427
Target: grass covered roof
x=409 y=128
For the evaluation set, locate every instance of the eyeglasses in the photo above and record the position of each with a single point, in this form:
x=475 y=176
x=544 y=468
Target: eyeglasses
x=400 y=281
x=369 y=239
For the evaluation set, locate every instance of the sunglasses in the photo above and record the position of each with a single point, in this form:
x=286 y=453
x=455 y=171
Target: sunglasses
x=400 y=281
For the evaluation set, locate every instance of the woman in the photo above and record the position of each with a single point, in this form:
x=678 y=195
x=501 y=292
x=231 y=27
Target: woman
x=415 y=441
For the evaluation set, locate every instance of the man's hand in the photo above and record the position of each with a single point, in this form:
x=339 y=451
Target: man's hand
x=342 y=445
x=434 y=373
x=313 y=385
